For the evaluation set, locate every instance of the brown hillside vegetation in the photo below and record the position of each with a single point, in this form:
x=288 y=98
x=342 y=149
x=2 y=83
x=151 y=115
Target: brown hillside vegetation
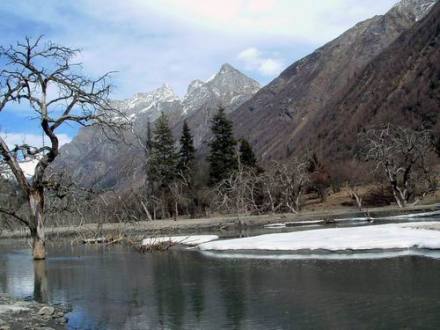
x=295 y=111
x=401 y=86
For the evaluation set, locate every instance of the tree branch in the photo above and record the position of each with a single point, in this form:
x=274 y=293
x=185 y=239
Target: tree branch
x=15 y=216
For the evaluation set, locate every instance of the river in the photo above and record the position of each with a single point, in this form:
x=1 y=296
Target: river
x=119 y=288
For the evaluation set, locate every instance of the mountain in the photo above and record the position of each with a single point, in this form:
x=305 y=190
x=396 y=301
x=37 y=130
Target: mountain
x=400 y=86
x=94 y=160
x=383 y=69
x=278 y=118
x=229 y=89
x=150 y=104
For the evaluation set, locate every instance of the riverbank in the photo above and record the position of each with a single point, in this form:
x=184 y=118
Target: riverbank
x=224 y=223
x=19 y=314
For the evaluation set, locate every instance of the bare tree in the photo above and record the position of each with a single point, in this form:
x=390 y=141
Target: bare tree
x=280 y=189
x=291 y=178
x=44 y=77
x=401 y=153
x=236 y=194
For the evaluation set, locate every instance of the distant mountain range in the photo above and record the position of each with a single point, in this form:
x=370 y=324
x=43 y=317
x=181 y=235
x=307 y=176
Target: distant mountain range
x=92 y=159
x=384 y=69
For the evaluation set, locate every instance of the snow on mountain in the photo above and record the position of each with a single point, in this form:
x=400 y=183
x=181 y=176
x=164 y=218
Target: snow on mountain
x=149 y=103
x=95 y=160
x=224 y=88
x=228 y=87
x=27 y=166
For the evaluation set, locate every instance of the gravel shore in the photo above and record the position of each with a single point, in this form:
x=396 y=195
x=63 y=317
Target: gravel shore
x=19 y=314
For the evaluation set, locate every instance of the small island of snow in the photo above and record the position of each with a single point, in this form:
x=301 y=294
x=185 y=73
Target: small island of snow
x=419 y=235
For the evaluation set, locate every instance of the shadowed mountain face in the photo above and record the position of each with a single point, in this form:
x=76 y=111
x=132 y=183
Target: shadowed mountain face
x=401 y=86
x=92 y=159
x=279 y=118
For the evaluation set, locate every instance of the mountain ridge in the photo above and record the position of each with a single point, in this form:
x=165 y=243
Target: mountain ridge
x=273 y=120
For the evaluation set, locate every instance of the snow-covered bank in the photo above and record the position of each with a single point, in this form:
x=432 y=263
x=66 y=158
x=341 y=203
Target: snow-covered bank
x=183 y=240
x=360 y=255
x=381 y=237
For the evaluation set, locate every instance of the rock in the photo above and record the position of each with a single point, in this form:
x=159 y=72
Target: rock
x=4 y=325
x=58 y=315
x=4 y=309
x=46 y=311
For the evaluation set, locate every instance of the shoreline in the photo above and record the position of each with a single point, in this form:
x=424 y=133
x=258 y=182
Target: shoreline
x=161 y=227
x=21 y=314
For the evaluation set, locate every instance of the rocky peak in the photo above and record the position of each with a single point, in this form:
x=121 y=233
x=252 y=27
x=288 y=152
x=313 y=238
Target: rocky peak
x=415 y=9
x=230 y=75
x=227 y=68
x=162 y=94
x=194 y=85
x=225 y=88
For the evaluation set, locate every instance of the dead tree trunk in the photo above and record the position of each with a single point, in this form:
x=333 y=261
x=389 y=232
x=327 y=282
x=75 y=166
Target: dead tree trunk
x=36 y=203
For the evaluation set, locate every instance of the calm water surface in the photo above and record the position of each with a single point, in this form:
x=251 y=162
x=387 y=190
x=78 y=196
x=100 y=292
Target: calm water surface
x=118 y=288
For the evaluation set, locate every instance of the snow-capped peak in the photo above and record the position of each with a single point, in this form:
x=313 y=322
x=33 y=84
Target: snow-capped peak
x=227 y=87
x=141 y=101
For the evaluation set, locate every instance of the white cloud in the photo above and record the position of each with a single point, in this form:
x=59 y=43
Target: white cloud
x=34 y=140
x=253 y=59
x=304 y=20
x=151 y=42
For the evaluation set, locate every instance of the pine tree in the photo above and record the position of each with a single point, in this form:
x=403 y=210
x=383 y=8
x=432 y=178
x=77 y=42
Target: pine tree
x=222 y=158
x=149 y=143
x=187 y=150
x=163 y=156
x=247 y=156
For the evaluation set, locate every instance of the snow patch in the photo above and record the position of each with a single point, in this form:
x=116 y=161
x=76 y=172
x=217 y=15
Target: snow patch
x=383 y=237
x=28 y=167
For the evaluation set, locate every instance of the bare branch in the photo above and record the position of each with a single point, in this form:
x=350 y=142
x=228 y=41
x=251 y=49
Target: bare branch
x=14 y=215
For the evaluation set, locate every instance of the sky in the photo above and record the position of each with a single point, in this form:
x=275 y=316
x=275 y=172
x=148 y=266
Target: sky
x=152 y=42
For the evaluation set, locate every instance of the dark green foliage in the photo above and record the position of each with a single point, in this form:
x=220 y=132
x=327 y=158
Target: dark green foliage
x=222 y=158
x=149 y=143
x=163 y=157
x=187 y=151
x=247 y=156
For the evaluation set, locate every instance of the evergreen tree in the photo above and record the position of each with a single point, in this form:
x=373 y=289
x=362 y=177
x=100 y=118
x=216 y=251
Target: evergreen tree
x=187 y=151
x=149 y=144
x=222 y=158
x=247 y=156
x=163 y=156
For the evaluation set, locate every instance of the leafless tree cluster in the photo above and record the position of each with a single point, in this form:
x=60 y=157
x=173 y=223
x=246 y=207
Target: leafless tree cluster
x=43 y=78
x=401 y=154
x=278 y=190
